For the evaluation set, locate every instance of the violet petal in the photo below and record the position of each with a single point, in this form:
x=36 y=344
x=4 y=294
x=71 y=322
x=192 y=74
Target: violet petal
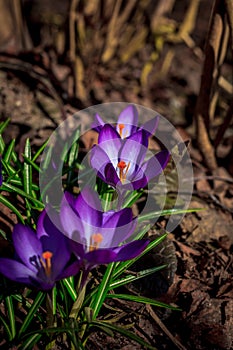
x=110 y=175
x=56 y=243
x=26 y=244
x=129 y=118
x=131 y=250
x=155 y=165
x=150 y=126
x=16 y=271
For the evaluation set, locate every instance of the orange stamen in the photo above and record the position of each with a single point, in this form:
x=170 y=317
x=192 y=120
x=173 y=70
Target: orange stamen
x=47 y=265
x=121 y=127
x=123 y=169
x=95 y=241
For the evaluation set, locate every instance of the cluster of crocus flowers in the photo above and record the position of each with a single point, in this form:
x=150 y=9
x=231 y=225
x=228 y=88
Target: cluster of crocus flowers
x=82 y=230
x=81 y=235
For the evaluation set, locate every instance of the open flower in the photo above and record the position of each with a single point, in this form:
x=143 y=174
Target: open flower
x=96 y=235
x=127 y=123
x=41 y=258
x=121 y=163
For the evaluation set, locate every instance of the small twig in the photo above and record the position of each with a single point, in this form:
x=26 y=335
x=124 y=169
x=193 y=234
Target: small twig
x=164 y=328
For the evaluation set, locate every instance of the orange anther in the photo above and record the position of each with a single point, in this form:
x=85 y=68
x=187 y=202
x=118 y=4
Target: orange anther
x=95 y=241
x=47 y=255
x=123 y=169
x=121 y=127
x=121 y=165
x=47 y=265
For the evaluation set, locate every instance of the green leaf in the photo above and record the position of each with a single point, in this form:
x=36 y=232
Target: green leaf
x=40 y=150
x=9 y=205
x=31 y=341
x=132 y=198
x=20 y=184
x=13 y=154
x=102 y=325
x=7 y=328
x=103 y=289
x=132 y=278
x=54 y=300
x=27 y=169
x=2 y=145
x=11 y=188
x=70 y=288
x=78 y=304
x=31 y=163
x=3 y=125
x=8 y=154
x=21 y=300
x=31 y=313
x=10 y=170
x=159 y=213
x=143 y=300
x=11 y=315
x=126 y=264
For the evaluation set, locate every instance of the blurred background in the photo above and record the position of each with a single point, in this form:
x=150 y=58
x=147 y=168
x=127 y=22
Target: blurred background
x=59 y=57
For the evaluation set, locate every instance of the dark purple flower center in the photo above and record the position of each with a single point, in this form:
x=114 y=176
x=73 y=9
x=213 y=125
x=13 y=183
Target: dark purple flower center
x=43 y=263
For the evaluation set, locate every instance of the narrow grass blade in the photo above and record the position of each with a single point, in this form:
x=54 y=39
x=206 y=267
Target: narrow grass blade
x=132 y=199
x=142 y=300
x=31 y=163
x=11 y=188
x=122 y=331
x=54 y=300
x=132 y=278
x=9 y=205
x=12 y=173
x=31 y=341
x=31 y=313
x=103 y=289
x=40 y=150
x=27 y=169
x=159 y=213
x=7 y=328
x=11 y=315
x=70 y=288
x=126 y=264
x=3 y=125
x=8 y=154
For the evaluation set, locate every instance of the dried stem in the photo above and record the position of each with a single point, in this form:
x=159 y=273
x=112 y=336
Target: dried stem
x=224 y=126
x=212 y=53
x=229 y=10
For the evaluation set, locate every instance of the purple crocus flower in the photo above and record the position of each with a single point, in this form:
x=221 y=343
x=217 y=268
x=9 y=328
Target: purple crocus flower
x=96 y=235
x=42 y=258
x=121 y=163
x=127 y=123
